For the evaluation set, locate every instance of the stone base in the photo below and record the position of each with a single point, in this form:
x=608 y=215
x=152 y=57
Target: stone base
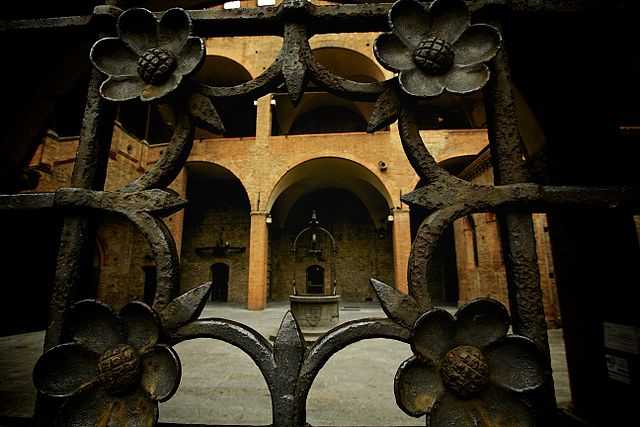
x=316 y=314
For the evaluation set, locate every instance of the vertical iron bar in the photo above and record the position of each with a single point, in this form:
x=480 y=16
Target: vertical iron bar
x=517 y=233
x=75 y=240
x=516 y=229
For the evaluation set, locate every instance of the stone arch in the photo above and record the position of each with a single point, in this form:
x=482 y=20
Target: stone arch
x=238 y=115
x=353 y=204
x=216 y=169
x=216 y=227
x=346 y=173
x=348 y=63
x=222 y=71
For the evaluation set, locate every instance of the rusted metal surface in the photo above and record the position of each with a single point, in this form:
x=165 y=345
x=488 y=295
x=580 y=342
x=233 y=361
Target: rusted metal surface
x=106 y=368
x=518 y=241
x=89 y=172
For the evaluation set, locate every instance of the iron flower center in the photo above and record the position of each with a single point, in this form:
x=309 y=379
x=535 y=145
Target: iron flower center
x=433 y=55
x=156 y=65
x=464 y=370
x=119 y=369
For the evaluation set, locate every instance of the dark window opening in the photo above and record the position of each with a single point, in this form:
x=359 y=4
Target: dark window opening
x=220 y=280
x=315 y=279
x=69 y=109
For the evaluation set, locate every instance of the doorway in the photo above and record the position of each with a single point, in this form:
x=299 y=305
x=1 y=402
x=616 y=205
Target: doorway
x=220 y=280
x=315 y=279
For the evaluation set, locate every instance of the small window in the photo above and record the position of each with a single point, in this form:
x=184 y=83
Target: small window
x=232 y=4
x=266 y=2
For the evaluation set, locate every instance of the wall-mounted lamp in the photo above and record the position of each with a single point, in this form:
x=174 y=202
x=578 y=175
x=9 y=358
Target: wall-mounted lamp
x=390 y=218
x=268 y=220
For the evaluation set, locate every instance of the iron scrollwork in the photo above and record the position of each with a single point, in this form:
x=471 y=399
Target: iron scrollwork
x=465 y=371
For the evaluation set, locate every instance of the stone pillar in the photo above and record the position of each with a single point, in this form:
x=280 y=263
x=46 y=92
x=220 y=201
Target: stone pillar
x=401 y=247
x=258 y=258
x=263 y=118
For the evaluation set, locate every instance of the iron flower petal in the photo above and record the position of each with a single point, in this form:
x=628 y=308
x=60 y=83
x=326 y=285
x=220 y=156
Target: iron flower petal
x=417 y=83
x=191 y=56
x=142 y=325
x=93 y=408
x=65 y=370
x=481 y=322
x=121 y=88
x=479 y=43
x=152 y=92
x=433 y=335
x=516 y=364
x=416 y=386
x=112 y=57
x=449 y=19
x=95 y=326
x=138 y=29
x=161 y=373
x=410 y=21
x=392 y=53
x=493 y=407
x=174 y=29
x=137 y=410
x=464 y=80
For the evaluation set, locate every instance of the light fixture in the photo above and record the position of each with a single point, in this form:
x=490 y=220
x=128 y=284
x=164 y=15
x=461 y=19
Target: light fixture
x=390 y=218
x=269 y=220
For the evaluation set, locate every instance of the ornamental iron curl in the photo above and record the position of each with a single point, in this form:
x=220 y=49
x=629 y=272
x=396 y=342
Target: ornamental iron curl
x=113 y=368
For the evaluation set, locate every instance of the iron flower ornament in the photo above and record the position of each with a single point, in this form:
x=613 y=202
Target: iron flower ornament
x=149 y=57
x=466 y=370
x=436 y=49
x=113 y=371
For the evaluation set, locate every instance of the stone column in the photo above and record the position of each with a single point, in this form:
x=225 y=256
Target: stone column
x=401 y=247
x=263 y=118
x=258 y=253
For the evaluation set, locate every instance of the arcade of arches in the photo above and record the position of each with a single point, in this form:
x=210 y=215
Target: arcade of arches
x=253 y=189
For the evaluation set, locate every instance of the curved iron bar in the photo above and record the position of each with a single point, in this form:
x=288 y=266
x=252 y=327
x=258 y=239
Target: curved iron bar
x=341 y=86
x=415 y=149
x=241 y=336
x=262 y=85
x=140 y=208
x=165 y=170
x=165 y=254
x=292 y=68
x=476 y=199
x=334 y=341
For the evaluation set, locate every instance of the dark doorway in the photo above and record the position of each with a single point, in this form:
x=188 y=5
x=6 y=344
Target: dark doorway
x=315 y=280
x=443 y=278
x=150 y=282
x=220 y=280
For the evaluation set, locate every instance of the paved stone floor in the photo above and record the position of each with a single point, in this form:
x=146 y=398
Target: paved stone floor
x=220 y=384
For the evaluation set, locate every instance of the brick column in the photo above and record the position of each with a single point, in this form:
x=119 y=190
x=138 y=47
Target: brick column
x=258 y=253
x=401 y=247
x=263 y=118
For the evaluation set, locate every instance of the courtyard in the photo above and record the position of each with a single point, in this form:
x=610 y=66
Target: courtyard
x=221 y=385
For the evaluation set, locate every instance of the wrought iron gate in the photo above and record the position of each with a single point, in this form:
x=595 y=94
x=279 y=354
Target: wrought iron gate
x=106 y=368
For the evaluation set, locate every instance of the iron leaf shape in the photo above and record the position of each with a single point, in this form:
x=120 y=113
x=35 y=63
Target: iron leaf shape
x=205 y=114
x=186 y=308
x=294 y=72
x=288 y=347
x=385 y=111
x=294 y=68
x=399 y=307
